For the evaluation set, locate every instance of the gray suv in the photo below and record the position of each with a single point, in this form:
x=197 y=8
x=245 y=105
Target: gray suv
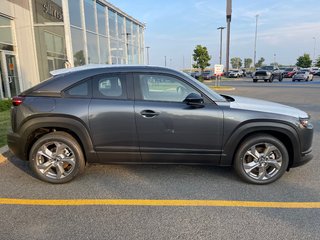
x=152 y=115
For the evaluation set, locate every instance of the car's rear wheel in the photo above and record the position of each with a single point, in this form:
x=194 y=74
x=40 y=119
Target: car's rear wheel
x=271 y=78
x=261 y=159
x=280 y=78
x=56 y=158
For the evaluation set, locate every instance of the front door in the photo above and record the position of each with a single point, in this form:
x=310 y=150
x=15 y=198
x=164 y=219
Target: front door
x=171 y=131
x=9 y=74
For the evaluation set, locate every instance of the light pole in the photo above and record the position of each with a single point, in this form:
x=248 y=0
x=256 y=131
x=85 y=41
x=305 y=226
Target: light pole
x=314 y=50
x=165 y=61
x=228 y=13
x=274 y=59
x=148 y=55
x=220 y=57
x=255 y=43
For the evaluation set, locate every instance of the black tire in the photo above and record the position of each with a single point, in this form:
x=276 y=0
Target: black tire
x=280 y=78
x=255 y=80
x=271 y=78
x=272 y=169
x=265 y=80
x=54 y=165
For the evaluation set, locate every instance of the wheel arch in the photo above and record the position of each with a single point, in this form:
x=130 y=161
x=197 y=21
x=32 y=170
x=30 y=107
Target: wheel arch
x=34 y=128
x=285 y=133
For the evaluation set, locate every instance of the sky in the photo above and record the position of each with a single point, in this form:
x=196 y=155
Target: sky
x=286 y=29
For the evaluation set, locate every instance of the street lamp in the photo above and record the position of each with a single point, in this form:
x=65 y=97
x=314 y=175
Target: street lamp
x=220 y=57
x=228 y=15
x=255 y=42
x=314 y=50
x=148 y=55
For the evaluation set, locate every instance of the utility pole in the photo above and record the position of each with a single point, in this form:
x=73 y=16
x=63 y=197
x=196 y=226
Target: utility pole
x=255 y=43
x=229 y=11
x=165 y=61
x=220 y=56
x=314 y=50
x=274 y=59
x=148 y=55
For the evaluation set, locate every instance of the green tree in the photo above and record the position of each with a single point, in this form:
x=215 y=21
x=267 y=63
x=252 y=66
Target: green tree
x=247 y=62
x=260 y=62
x=304 y=61
x=318 y=62
x=236 y=62
x=201 y=57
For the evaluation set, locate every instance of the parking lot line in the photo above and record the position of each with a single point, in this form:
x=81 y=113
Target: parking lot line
x=157 y=202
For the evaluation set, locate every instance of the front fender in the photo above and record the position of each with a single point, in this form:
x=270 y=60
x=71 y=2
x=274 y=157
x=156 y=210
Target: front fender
x=233 y=142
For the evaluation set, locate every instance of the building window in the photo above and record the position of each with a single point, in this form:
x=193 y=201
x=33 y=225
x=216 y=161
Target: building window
x=92 y=44
x=5 y=32
x=112 y=23
x=77 y=46
x=104 y=50
x=75 y=13
x=89 y=13
x=101 y=14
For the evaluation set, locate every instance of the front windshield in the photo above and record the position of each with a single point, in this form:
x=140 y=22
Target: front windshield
x=267 y=68
x=289 y=69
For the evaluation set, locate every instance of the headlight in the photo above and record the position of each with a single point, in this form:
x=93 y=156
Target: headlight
x=304 y=122
x=268 y=73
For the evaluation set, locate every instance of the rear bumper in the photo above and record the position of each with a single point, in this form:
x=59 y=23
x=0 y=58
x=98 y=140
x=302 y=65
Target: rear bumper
x=15 y=145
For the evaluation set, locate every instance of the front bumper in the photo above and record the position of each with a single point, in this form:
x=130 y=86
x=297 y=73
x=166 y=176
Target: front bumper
x=305 y=158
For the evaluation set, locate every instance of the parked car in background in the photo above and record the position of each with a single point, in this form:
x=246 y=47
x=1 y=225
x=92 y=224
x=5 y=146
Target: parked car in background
x=314 y=70
x=317 y=73
x=208 y=75
x=267 y=74
x=152 y=115
x=289 y=72
x=302 y=75
x=195 y=74
x=235 y=73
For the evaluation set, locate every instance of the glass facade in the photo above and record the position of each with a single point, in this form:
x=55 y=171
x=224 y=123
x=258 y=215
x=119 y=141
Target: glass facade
x=98 y=34
x=49 y=36
x=102 y=35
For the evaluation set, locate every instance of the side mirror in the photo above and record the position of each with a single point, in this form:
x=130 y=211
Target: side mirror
x=194 y=99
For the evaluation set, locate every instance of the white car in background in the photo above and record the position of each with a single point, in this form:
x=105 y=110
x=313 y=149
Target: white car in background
x=303 y=75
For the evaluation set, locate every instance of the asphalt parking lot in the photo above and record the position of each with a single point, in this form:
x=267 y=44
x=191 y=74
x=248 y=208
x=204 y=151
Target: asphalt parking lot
x=22 y=218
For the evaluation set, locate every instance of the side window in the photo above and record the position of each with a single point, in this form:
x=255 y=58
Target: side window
x=80 y=90
x=163 y=88
x=110 y=87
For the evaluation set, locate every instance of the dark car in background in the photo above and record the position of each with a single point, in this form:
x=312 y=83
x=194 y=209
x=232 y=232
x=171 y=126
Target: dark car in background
x=152 y=115
x=208 y=75
x=195 y=74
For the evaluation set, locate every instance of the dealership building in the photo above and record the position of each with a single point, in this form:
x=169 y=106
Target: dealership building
x=38 y=36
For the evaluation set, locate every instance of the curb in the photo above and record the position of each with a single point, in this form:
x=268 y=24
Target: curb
x=223 y=88
x=3 y=151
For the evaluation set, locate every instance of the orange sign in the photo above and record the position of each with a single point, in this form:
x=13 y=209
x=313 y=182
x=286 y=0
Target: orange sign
x=11 y=66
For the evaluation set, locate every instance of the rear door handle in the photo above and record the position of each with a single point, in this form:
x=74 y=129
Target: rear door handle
x=149 y=113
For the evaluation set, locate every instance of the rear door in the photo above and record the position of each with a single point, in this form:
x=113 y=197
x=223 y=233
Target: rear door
x=111 y=117
x=168 y=129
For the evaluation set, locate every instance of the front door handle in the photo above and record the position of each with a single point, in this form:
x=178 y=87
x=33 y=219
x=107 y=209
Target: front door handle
x=149 y=113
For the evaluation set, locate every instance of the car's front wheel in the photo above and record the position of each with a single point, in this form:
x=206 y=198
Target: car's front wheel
x=56 y=158
x=261 y=159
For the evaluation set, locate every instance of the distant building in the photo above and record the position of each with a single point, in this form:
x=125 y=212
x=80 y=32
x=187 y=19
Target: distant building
x=37 y=36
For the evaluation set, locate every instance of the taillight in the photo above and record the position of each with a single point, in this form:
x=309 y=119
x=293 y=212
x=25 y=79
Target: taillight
x=16 y=101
